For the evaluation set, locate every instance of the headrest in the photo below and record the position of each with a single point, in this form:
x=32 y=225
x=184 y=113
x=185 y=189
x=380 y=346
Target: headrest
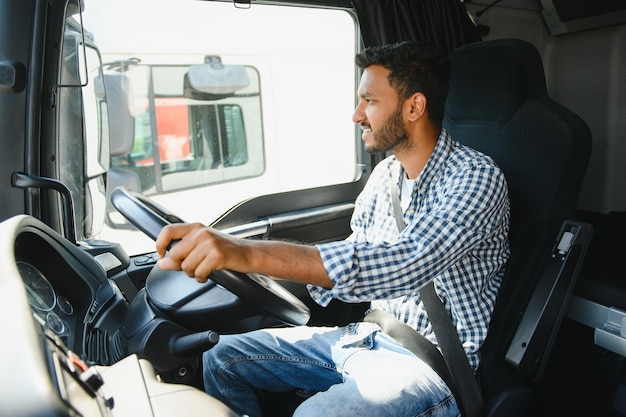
x=121 y=120
x=496 y=77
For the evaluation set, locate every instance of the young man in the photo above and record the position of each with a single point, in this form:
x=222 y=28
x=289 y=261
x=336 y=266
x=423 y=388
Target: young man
x=455 y=205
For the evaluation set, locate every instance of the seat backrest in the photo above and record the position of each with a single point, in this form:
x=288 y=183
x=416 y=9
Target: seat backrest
x=498 y=104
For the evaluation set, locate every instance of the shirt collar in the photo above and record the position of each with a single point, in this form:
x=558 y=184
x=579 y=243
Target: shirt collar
x=434 y=165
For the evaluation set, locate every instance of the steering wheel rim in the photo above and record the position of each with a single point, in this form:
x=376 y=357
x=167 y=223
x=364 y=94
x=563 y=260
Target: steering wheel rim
x=267 y=294
x=143 y=213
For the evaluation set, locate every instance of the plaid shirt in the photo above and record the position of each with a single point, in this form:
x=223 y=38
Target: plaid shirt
x=456 y=233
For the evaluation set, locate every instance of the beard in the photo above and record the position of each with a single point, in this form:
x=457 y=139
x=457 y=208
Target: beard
x=391 y=134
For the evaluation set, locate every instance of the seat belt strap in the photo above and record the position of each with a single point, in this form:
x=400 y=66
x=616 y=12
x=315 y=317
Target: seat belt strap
x=466 y=385
x=416 y=343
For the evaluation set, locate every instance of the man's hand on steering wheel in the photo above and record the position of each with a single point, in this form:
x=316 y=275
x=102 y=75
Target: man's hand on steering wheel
x=199 y=250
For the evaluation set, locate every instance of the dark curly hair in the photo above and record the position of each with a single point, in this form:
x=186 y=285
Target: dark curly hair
x=414 y=67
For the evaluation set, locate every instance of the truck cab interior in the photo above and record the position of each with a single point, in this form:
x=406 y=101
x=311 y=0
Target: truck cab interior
x=93 y=327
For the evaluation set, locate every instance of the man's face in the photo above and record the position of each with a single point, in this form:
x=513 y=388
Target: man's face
x=379 y=112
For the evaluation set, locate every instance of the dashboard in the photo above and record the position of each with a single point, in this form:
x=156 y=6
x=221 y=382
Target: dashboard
x=49 y=288
x=61 y=319
x=69 y=295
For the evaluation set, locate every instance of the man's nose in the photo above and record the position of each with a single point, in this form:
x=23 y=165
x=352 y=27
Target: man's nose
x=359 y=115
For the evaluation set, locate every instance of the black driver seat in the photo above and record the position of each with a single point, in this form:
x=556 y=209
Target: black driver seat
x=498 y=104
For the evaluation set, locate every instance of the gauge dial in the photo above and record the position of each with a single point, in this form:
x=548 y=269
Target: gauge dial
x=40 y=293
x=54 y=323
x=65 y=305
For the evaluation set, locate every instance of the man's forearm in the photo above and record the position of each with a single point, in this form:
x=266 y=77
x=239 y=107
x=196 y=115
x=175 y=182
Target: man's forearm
x=293 y=262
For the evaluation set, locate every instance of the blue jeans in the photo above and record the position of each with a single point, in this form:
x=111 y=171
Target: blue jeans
x=356 y=370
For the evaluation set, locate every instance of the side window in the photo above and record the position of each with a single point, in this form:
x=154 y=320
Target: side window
x=225 y=104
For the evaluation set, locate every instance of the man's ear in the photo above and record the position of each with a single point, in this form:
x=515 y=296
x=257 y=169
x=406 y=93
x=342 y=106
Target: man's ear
x=417 y=106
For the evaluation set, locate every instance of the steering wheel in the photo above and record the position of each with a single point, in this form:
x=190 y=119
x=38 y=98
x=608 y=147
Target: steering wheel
x=264 y=292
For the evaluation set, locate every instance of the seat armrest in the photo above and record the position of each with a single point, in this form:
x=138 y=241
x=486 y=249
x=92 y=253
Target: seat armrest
x=531 y=345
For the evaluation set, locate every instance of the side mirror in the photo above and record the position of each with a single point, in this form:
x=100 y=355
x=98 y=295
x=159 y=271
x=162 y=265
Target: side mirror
x=214 y=80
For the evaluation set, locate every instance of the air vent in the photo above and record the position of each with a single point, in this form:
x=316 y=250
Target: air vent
x=103 y=348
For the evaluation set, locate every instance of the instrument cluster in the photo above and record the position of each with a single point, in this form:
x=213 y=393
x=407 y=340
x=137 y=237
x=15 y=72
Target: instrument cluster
x=50 y=308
